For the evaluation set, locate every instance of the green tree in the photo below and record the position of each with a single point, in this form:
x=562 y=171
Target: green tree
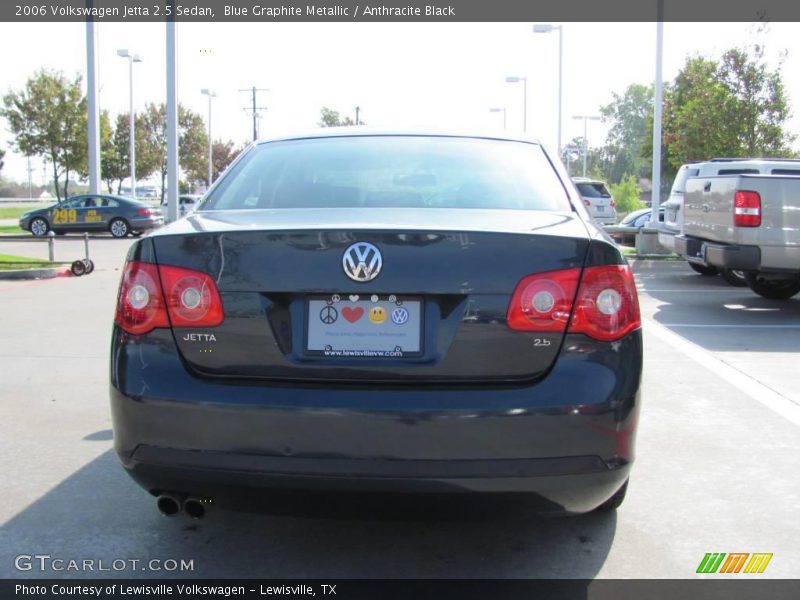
x=116 y=165
x=629 y=115
x=626 y=194
x=734 y=107
x=222 y=155
x=192 y=141
x=332 y=118
x=48 y=118
x=2 y=156
x=572 y=156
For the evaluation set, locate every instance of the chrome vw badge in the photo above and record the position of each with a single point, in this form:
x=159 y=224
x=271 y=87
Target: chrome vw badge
x=362 y=262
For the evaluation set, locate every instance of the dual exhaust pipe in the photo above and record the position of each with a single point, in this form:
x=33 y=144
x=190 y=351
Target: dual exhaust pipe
x=171 y=504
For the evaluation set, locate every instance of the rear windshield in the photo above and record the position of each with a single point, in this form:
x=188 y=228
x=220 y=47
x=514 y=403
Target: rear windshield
x=391 y=171
x=679 y=185
x=593 y=190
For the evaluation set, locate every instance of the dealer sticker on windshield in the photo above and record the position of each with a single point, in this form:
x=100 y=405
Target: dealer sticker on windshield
x=364 y=326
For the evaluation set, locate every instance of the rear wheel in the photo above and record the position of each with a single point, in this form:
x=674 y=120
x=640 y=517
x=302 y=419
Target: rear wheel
x=705 y=271
x=39 y=226
x=119 y=228
x=733 y=277
x=774 y=289
x=615 y=501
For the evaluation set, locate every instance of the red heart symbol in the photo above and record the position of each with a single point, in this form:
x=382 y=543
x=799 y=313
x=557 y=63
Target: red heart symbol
x=352 y=314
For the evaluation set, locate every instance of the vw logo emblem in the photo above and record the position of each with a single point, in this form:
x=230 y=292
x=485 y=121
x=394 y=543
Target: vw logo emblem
x=362 y=262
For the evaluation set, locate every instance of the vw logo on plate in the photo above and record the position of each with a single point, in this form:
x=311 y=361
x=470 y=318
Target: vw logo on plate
x=362 y=262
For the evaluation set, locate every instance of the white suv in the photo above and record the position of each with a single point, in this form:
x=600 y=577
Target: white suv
x=598 y=199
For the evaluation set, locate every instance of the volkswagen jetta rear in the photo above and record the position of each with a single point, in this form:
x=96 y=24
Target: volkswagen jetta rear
x=380 y=312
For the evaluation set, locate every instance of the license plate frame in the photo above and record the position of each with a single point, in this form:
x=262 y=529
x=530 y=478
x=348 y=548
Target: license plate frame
x=352 y=343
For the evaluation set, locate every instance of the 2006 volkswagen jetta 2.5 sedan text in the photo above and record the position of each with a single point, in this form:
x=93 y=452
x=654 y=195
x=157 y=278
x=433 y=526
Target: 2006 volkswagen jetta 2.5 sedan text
x=380 y=312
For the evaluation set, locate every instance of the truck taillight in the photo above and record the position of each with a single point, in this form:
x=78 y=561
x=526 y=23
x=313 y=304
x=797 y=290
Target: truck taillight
x=152 y=296
x=746 y=209
x=606 y=306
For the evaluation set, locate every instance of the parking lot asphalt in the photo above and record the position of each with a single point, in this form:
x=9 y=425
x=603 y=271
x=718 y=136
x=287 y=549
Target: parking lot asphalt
x=718 y=453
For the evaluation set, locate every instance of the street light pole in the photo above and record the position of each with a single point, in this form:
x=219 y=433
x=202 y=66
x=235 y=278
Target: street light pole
x=586 y=120
x=132 y=58
x=502 y=110
x=524 y=81
x=546 y=28
x=211 y=94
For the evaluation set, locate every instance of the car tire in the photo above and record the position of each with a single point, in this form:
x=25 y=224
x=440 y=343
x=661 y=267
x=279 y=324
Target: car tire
x=774 y=289
x=733 y=277
x=119 y=228
x=704 y=271
x=615 y=501
x=39 y=226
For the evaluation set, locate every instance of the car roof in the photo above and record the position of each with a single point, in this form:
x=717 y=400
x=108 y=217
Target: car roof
x=359 y=131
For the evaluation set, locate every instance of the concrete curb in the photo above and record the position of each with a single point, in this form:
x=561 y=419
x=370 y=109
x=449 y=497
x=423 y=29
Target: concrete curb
x=21 y=274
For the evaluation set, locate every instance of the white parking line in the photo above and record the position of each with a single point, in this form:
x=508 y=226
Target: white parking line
x=704 y=325
x=759 y=392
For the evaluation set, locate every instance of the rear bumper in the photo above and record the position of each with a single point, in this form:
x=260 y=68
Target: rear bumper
x=145 y=224
x=568 y=438
x=726 y=256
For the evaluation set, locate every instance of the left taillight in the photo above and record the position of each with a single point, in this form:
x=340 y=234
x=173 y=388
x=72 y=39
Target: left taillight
x=153 y=296
x=746 y=209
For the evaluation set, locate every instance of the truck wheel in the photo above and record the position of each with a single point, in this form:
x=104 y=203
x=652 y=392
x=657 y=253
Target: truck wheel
x=705 y=271
x=774 y=289
x=615 y=501
x=733 y=277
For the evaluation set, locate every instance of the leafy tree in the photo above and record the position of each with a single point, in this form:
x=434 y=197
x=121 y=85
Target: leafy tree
x=222 y=155
x=733 y=107
x=192 y=141
x=2 y=155
x=629 y=115
x=116 y=163
x=332 y=118
x=48 y=118
x=626 y=194
x=572 y=156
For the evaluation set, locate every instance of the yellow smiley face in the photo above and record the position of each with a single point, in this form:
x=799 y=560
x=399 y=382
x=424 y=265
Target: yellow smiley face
x=377 y=314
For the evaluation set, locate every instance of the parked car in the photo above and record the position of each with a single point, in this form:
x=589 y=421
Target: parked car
x=673 y=217
x=598 y=200
x=186 y=202
x=749 y=223
x=380 y=312
x=635 y=219
x=93 y=213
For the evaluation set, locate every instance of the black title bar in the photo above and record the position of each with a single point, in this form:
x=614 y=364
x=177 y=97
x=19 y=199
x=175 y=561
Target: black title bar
x=228 y=11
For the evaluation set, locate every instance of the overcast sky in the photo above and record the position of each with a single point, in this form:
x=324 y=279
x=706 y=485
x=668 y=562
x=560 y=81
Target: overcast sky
x=404 y=74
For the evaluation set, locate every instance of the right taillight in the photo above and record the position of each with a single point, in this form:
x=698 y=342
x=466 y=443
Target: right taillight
x=746 y=209
x=607 y=306
x=153 y=296
x=602 y=301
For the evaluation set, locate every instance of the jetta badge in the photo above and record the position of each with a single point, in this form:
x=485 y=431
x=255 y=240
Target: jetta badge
x=362 y=262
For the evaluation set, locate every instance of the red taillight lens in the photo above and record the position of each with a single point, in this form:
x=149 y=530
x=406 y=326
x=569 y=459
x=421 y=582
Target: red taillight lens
x=613 y=204
x=587 y=202
x=607 y=306
x=140 y=305
x=192 y=298
x=746 y=209
x=189 y=298
x=543 y=302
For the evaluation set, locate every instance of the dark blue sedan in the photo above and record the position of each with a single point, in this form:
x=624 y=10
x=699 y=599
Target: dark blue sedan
x=118 y=215
x=380 y=312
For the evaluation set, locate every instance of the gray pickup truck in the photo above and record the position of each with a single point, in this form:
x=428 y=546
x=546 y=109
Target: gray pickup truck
x=749 y=223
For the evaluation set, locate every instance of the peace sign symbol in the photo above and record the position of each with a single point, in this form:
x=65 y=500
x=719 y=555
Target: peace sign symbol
x=328 y=315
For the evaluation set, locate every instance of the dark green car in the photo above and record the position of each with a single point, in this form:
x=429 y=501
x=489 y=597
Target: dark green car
x=118 y=215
